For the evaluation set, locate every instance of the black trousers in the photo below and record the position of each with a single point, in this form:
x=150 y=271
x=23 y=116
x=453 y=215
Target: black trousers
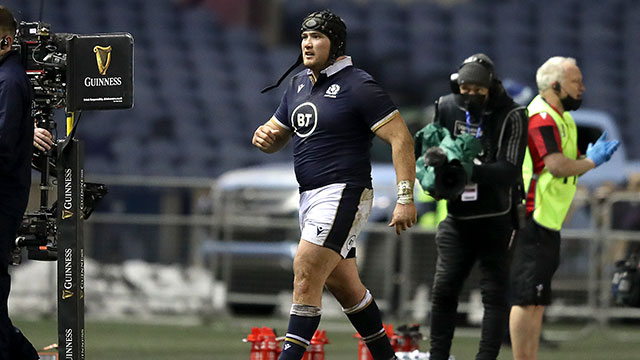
x=13 y=344
x=460 y=243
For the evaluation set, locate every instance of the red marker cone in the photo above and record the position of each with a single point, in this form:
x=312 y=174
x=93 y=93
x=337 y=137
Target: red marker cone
x=316 y=348
x=255 y=338
x=268 y=347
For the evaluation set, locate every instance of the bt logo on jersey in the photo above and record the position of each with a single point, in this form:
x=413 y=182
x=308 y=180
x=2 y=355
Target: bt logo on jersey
x=304 y=119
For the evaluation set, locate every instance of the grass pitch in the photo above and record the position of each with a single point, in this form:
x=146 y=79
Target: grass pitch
x=176 y=339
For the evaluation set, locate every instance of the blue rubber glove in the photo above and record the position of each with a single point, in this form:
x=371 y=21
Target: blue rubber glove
x=602 y=150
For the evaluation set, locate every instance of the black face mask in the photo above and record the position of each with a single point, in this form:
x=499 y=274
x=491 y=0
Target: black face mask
x=475 y=104
x=569 y=103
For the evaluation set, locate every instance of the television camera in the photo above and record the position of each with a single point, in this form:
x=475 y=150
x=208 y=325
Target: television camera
x=44 y=56
x=76 y=72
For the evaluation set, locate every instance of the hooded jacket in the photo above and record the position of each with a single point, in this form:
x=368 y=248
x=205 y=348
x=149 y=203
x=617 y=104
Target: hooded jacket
x=496 y=181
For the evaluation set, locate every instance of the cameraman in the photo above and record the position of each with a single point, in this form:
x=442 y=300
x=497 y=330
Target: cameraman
x=481 y=220
x=16 y=133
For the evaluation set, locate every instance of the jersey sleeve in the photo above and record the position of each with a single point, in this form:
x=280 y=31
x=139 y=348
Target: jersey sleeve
x=375 y=105
x=544 y=135
x=282 y=112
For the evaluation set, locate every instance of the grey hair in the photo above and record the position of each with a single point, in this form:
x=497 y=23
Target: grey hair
x=551 y=71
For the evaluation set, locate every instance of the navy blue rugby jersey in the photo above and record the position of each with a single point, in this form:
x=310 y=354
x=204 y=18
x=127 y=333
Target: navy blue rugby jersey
x=333 y=122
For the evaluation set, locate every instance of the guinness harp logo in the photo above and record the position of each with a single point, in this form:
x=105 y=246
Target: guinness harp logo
x=103 y=58
x=66 y=214
x=66 y=294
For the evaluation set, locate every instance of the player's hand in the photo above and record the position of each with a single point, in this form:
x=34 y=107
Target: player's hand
x=404 y=216
x=42 y=139
x=264 y=137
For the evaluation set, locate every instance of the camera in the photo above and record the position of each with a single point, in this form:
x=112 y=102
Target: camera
x=38 y=230
x=625 y=285
x=450 y=180
x=37 y=233
x=450 y=177
x=75 y=72
x=45 y=59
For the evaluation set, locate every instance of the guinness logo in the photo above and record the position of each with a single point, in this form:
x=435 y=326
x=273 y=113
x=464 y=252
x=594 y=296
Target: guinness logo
x=103 y=58
x=66 y=294
x=66 y=214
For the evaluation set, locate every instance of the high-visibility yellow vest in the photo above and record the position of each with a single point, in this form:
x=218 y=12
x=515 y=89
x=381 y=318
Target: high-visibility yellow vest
x=553 y=195
x=431 y=219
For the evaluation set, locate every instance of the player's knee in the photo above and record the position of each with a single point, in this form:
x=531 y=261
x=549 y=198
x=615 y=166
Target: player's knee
x=305 y=280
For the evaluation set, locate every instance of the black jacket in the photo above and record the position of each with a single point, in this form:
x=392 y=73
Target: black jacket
x=16 y=135
x=498 y=169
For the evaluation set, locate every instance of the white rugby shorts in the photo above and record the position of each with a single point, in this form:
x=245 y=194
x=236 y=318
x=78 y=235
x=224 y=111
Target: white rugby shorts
x=333 y=216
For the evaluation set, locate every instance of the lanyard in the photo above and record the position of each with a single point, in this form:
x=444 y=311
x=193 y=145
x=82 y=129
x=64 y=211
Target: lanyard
x=468 y=118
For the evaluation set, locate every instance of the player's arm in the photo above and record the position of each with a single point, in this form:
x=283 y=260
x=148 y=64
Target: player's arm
x=395 y=133
x=270 y=137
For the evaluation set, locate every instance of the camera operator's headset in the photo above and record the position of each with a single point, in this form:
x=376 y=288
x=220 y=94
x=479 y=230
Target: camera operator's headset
x=453 y=78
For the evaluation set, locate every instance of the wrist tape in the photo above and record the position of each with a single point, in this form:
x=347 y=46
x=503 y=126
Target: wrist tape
x=405 y=192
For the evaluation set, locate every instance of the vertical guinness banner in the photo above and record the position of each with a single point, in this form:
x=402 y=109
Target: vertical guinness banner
x=69 y=218
x=100 y=72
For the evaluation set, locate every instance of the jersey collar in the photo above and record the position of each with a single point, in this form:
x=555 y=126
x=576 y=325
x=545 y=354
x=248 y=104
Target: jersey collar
x=335 y=67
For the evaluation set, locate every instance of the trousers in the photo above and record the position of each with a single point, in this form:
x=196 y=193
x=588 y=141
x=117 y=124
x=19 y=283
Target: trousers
x=460 y=244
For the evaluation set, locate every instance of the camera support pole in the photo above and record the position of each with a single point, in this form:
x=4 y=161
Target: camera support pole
x=70 y=176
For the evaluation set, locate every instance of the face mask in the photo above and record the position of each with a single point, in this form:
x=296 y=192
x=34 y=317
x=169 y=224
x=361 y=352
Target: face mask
x=474 y=104
x=569 y=103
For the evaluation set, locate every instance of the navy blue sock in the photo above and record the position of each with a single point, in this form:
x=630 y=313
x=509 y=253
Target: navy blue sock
x=365 y=317
x=303 y=322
